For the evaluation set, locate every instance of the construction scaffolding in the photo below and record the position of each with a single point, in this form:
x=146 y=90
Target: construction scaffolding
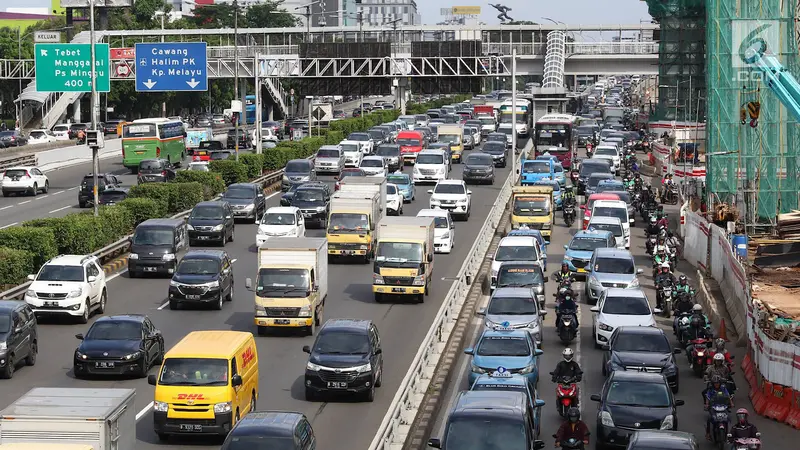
x=681 y=59
x=752 y=166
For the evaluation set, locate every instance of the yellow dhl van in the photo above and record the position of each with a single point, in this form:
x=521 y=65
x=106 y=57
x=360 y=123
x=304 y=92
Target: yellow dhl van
x=206 y=383
x=40 y=446
x=533 y=206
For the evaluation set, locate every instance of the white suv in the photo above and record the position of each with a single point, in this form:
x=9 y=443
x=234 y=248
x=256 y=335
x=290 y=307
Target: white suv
x=24 y=180
x=68 y=285
x=431 y=165
x=453 y=196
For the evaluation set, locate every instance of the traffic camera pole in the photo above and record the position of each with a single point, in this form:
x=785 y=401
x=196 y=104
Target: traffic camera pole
x=94 y=105
x=513 y=117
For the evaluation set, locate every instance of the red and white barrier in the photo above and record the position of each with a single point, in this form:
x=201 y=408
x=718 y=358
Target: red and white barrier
x=695 y=240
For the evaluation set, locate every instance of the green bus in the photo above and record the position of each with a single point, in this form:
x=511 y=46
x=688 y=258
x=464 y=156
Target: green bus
x=156 y=138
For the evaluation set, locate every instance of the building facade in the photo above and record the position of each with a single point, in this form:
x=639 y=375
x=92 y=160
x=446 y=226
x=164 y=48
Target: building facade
x=379 y=12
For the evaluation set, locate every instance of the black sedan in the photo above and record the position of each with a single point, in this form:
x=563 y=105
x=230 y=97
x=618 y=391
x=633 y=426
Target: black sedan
x=245 y=139
x=155 y=171
x=246 y=200
x=288 y=196
x=478 y=168
x=126 y=344
x=642 y=349
x=203 y=277
x=498 y=151
x=113 y=196
x=633 y=401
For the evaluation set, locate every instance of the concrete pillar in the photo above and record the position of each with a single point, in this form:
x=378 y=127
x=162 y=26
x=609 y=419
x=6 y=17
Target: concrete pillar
x=76 y=114
x=270 y=112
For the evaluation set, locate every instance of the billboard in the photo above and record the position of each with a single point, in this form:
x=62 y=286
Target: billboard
x=466 y=10
x=97 y=3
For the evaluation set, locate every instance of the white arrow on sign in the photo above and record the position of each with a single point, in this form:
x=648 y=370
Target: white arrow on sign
x=44 y=52
x=149 y=83
x=193 y=83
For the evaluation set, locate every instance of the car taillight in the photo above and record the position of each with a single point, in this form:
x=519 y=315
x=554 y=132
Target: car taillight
x=163 y=173
x=27 y=175
x=158 y=152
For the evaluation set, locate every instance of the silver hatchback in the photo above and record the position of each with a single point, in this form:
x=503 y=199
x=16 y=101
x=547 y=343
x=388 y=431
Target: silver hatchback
x=514 y=308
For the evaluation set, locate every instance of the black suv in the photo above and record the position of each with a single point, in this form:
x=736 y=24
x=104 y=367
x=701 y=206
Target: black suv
x=478 y=168
x=202 y=277
x=646 y=349
x=19 y=336
x=210 y=221
x=284 y=429
x=346 y=358
x=247 y=201
x=155 y=171
x=314 y=201
x=86 y=192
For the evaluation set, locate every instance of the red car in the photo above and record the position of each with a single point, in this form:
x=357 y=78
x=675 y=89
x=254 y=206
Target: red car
x=587 y=208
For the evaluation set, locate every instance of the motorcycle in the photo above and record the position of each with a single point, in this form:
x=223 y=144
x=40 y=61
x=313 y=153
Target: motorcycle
x=567 y=326
x=566 y=394
x=745 y=443
x=664 y=298
x=650 y=245
x=720 y=421
x=589 y=149
x=678 y=327
x=697 y=357
x=568 y=212
x=572 y=443
x=670 y=195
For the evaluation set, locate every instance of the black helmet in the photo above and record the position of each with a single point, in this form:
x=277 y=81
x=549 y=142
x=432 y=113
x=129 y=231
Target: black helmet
x=574 y=414
x=564 y=266
x=682 y=279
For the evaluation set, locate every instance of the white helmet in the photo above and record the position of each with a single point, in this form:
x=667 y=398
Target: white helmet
x=697 y=308
x=685 y=321
x=719 y=357
x=567 y=354
x=665 y=265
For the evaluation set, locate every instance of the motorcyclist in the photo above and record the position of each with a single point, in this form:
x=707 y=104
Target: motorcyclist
x=568 y=196
x=564 y=274
x=716 y=393
x=717 y=368
x=81 y=136
x=638 y=182
x=719 y=349
x=567 y=367
x=661 y=257
x=628 y=183
x=573 y=428
x=566 y=304
x=667 y=180
x=663 y=222
x=697 y=311
x=682 y=284
x=653 y=228
x=743 y=429
x=695 y=331
x=663 y=277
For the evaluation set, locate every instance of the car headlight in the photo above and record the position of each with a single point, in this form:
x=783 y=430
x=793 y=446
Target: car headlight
x=668 y=422
x=160 y=406
x=365 y=368
x=174 y=283
x=75 y=293
x=593 y=280
x=251 y=206
x=604 y=327
x=285 y=178
x=546 y=226
x=222 y=408
x=212 y=284
x=305 y=311
x=419 y=280
x=605 y=419
x=634 y=283
x=477 y=369
x=80 y=355
x=134 y=355
x=189 y=227
x=377 y=279
x=168 y=257
x=30 y=293
x=671 y=370
x=567 y=258
x=313 y=367
x=133 y=256
x=528 y=369
x=217 y=228
x=320 y=209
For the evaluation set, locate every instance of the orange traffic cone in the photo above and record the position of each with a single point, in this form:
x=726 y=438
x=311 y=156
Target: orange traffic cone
x=722 y=332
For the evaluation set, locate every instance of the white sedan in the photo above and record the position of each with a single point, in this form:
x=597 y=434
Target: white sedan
x=618 y=307
x=394 y=200
x=41 y=137
x=283 y=221
x=374 y=166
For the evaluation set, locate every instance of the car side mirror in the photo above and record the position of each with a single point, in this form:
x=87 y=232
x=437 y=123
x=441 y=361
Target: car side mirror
x=469 y=192
x=538 y=445
x=480 y=312
x=430 y=191
x=79 y=336
x=595 y=309
x=639 y=271
x=469 y=351
x=679 y=402
x=236 y=380
x=248 y=284
x=306 y=349
x=151 y=380
x=677 y=350
x=378 y=351
x=542 y=313
x=31 y=277
x=595 y=397
x=435 y=443
x=430 y=257
x=538 y=403
x=91 y=279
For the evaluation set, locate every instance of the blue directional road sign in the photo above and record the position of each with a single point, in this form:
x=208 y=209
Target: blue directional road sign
x=171 y=66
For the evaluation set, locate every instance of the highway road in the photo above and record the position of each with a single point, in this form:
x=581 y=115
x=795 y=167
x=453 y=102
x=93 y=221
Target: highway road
x=691 y=417
x=64 y=183
x=282 y=363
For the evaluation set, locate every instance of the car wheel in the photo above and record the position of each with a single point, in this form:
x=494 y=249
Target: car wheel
x=369 y=396
x=46 y=187
x=103 y=299
x=220 y=300
x=35 y=190
x=30 y=360
x=84 y=318
x=8 y=371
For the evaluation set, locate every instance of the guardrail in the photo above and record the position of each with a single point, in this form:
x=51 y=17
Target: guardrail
x=396 y=424
x=121 y=246
x=26 y=160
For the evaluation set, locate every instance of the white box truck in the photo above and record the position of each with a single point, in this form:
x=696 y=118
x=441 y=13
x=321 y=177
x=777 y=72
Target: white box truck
x=291 y=284
x=104 y=419
x=36 y=446
x=404 y=257
x=366 y=184
x=351 y=225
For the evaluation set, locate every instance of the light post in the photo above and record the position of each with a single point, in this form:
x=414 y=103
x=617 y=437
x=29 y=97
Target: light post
x=94 y=107
x=513 y=116
x=242 y=107
x=162 y=14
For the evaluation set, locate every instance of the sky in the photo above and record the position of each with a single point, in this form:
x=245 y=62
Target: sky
x=572 y=12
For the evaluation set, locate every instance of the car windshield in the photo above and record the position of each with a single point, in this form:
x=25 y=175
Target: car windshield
x=391 y=189
x=584 y=131
x=646 y=395
x=372 y=163
x=386 y=150
x=199 y=167
x=194 y=372
x=622 y=266
x=608 y=186
x=605 y=151
x=449 y=188
x=399 y=252
x=398 y=179
x=37 y=134
x=440 y=222
x=594 y=180
x=450 y=138
x=297 y=167
x=358 y=137
x=15 y=173
x=512 y=306
x=218 y=156
x=641 y=342
x=198 y=266
x=283 y=283
x=408 y=142
x=52 y=272
x=520 y=276
x=272 y=218
x=150 y=165
x=608 y=211
x=494 y=147
x=597 y=167
x=258 y=442
x=139 y=130
x=349 y=148
x=5 y=323
x=486 y=433
x=516 y=253
x=327 y=153
x=531 y=206
x=239 y=193
x=503 y=346
x=376 y=134
x=115 y=330
x=536 y=167
x=430 y=158
x=581 y=244
x=487 y=120
x=153 y=236
x=626 y=306
x=479 y=160
x=207 y=212
x=344 y=222
x=614 y=228
x=338 y=342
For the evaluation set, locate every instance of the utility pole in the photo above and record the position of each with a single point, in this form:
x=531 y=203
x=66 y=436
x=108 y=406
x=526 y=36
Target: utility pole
x=513 y=116
x=94 y=106
x=236 y=76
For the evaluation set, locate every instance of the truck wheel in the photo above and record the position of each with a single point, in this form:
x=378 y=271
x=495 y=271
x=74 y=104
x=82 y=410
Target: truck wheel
x=420 y=298
x=163 y=437
x=262 y=331
x=378 y=297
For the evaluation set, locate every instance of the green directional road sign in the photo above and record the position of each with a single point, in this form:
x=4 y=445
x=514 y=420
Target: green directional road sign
x=67 y=67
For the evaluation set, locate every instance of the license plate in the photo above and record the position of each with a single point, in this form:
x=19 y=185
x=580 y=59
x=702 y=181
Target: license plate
x=305 y=214
x=337 y=385
x=104 y=365
x=139 y=153
x=202 y=238
x=149 y=269
x=398 y=290
x=190 y=427
x=193 y=297
x=51 y=304
x=282 y=322
x=581 y=270
x=348 y=252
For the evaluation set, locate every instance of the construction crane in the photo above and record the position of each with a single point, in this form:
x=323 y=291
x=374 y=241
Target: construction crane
x=777 y=78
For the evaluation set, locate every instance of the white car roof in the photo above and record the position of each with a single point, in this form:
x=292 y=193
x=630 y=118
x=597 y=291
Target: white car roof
x=610 y=204
x=518 y=241
x=331 y=147
x=605 y=220
x=282 y=209
x=39 y=129
x=620 y=292
x=610 y=147
x=432 y=151
x=433 y=213
x=349 y=142
x=19 y=168
x=459 y=182
x=372 y=158
x=69 y=260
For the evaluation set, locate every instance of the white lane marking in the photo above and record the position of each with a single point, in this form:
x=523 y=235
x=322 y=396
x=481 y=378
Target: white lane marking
x=6 y=207
x=73 y=188
x=56 y=193
x=144 y=411
x=22 y=203
x=116 y=275
x=42 y=196
x=60 y=209
x=9 y=225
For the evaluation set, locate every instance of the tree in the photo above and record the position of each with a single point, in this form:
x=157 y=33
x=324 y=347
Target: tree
x=267 y=15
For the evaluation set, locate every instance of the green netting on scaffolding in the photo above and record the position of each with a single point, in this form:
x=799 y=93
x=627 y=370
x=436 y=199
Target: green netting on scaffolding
x=754 y=169
x=681 y=59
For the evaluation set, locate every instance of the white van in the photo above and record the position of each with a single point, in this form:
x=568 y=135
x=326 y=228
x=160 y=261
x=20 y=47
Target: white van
x=352 y=153
x=618 y=209
x=516 y=249
x=431 y=166
x=609 y=152
x=444 y=232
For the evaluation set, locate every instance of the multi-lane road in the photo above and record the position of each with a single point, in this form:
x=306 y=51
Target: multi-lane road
x=339 y=425
x=64 y=184
x=691 y=417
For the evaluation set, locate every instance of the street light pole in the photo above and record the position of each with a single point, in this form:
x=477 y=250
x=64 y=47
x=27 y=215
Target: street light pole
x=236 y=76
x=513 y=116
x=94 y=106
x=19 y=56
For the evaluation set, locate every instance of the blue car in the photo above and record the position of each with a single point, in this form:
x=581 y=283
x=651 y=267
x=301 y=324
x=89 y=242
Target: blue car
x=534 y=170
x=505 y=347
x=538 y=235
x=503 y=380
x=561 y=174
x=580 y=249
x=609 y=185
x=556 y=190
x=404 y=184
